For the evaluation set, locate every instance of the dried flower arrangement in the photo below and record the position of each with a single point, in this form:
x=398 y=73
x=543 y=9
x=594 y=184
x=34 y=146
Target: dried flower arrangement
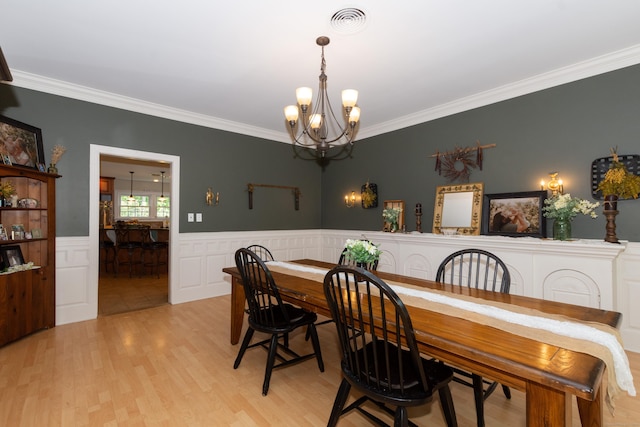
x=56 y=153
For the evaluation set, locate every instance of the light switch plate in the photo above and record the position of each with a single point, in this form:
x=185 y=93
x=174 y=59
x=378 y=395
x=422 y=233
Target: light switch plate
x=190 y=217
x=199 y=217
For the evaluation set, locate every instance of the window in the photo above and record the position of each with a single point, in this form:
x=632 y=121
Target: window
x=163 y=207
x=147 y=206
x=137 y=208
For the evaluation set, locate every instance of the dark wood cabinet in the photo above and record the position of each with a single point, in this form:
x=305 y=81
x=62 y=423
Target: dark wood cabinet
x=27 y=298
x=107 y=185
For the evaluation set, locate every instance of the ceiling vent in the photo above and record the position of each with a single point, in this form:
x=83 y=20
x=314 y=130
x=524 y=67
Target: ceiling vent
x=348 y=21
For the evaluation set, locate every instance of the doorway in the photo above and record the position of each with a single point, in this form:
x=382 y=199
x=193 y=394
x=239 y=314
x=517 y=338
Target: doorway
x=121 y=290
x=173 y=164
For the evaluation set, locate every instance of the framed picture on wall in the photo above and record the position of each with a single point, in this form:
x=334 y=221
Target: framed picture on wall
x=514 y=214
x=20 y=143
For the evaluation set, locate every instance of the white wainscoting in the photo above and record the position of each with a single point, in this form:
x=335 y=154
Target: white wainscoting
x=585 y=272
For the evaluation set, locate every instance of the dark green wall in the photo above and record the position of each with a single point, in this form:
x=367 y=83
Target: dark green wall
x=563 y=128
x=208 y=158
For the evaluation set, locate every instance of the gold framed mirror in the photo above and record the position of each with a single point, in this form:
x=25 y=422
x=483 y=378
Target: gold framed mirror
x=458 y=209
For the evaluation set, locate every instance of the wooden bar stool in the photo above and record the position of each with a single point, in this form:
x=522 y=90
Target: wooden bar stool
x=128 y=243
x=156 y=250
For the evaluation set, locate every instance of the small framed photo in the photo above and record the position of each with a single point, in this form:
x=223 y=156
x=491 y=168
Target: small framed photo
x=514 y=214
x=6 y=159
x=10 y=256
x=17 y=232
x=21 y=143
x=36 y=233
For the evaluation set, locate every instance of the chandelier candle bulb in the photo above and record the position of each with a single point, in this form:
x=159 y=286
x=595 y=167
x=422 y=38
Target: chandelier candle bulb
x=304 y=96
x=349 y=98
x=354 y=116
x=291 y=113
x=315 y=120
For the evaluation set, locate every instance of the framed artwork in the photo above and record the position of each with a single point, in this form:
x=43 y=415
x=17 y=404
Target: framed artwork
x=20 y=143
x=10 y=256
x=514 y=214
x=398 y=205
x=458 y=209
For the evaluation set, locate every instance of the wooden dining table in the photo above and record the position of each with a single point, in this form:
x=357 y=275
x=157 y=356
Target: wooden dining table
x=549 y=375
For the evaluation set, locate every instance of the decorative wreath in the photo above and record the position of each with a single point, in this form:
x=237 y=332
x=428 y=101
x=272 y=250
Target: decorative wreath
x=456 y=165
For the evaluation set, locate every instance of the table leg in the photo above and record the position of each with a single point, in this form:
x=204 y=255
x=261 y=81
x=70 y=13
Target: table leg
x=237 y=309
x=591 y=411
x=547 y=407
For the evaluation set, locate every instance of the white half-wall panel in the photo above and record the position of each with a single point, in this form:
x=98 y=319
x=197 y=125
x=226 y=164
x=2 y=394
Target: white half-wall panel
x=589 y=273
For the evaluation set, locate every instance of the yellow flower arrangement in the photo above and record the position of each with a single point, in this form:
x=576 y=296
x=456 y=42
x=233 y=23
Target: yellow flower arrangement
x=618 y=181
x=7 y=189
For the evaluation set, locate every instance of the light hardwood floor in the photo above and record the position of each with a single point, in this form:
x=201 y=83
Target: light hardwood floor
x=173 y=366
x=122 y=294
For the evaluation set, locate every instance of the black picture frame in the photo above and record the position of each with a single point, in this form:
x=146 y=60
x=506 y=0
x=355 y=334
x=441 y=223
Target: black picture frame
x=21 y=142
x=10 y=255
x=505 y=214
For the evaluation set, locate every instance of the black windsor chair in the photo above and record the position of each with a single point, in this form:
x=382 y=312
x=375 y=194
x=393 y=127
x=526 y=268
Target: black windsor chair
x=476 y=268
x=344 y=260
x=262 y=252
x=369 y=318
x=268 y=314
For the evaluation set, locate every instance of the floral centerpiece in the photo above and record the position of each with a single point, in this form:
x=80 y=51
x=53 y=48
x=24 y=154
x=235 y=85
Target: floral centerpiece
x=563 y=209
x=619 y=182
x=391 y=216
x=361 y=252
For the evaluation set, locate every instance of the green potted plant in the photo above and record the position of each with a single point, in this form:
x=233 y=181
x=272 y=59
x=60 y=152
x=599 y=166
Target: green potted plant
x=618 y=183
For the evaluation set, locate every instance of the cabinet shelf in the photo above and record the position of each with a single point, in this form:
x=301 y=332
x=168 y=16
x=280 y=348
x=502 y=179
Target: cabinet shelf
x=17 y=242
x=27 y=297
x=10 y=209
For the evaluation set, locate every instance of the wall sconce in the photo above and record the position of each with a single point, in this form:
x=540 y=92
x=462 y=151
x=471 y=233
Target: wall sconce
x=554 y=185
x=350 y=201
x=212 y=198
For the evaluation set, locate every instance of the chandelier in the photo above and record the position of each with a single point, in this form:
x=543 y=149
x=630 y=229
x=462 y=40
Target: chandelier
x=320 y=129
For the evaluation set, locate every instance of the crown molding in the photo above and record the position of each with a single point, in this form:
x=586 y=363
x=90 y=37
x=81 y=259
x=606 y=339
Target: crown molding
x=83 y=93
x=600 y=65
x=605 y=63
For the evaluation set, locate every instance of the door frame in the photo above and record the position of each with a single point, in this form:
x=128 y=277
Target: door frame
x=94 y=213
